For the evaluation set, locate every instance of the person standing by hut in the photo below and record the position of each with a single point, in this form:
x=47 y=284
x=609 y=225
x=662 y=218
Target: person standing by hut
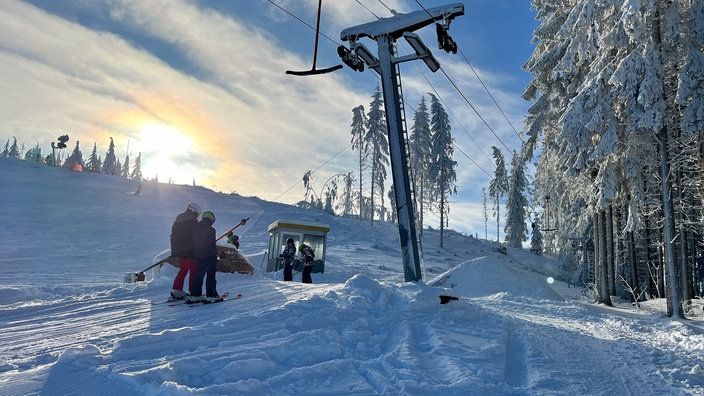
x=307 y=255
x=288 y=255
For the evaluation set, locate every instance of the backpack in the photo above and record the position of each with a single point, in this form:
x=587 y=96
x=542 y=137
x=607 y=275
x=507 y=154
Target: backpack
x=308 y=254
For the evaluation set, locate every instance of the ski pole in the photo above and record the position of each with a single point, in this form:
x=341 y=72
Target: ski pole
x=242 y=222
x=139 y=276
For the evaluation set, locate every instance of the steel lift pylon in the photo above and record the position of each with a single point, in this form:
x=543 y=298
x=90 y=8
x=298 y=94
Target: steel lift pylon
x=385 y=32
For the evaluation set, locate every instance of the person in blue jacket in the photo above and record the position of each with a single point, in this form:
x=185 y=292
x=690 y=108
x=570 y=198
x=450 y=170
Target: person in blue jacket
x=207 y=256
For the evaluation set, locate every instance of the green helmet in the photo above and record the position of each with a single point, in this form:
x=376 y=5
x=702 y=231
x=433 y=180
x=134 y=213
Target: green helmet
x=208 y=215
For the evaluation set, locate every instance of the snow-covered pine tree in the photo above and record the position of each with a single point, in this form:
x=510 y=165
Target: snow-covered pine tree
x=345 y=203
x=550 y=90
x=93 y=165
x=330 y=193
x=690 y=76
x=684 y=63
x=377 y=141
x=126 y=167
x=359 y=144
x=110 y=166
x=442 y=168
x=619 y=85
x=137 y=170
x=420 y=143
x=6 y=150
x=498 y=185
x=75 y=159
x=668 y=34
x=34 y=154
x=547 y=90
x=14 y=151
x=516 y=204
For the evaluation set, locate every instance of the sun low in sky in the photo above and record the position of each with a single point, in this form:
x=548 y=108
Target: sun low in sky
x=170 y=143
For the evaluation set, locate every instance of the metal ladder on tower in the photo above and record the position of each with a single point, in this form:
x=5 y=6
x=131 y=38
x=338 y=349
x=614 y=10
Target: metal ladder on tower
x=409 y=158
x=406 y=141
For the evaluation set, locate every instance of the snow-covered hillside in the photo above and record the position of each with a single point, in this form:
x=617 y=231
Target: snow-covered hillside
x=70 y=325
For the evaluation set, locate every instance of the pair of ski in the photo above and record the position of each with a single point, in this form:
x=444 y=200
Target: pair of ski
x=175 y=303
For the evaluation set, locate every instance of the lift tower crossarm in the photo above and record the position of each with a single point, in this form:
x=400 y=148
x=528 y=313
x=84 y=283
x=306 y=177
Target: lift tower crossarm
x=396 y=25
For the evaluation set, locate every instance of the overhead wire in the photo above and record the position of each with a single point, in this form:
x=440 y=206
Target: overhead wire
x=302 y=21
x=451 y=112
x=490 y=95
x=387 y=7
x=313 y=171
x=453 y=143
x=473 y=108
x=482 y=83
x=366 y=8
x=467 y=100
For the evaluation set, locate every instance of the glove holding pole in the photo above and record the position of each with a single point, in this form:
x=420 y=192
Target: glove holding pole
x=242 y=222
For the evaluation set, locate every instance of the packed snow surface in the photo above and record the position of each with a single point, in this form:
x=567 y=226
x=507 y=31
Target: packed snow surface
x=70 y=325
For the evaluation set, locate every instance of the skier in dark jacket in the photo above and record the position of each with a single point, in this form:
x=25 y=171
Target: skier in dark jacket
x=207 y=256
x=233 y=239
x=288 y=256
x=182 y=249
x=307 y=256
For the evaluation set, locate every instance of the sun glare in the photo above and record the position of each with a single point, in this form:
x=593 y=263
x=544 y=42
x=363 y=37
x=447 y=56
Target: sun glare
x=162 y=145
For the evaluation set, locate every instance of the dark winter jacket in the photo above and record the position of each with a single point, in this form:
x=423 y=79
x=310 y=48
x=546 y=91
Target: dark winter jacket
x=289 y=254
x=307 y=254
x=204 y=239
x=182 y=234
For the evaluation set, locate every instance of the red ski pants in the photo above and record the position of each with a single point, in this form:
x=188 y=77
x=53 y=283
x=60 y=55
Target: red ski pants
x=185 y=266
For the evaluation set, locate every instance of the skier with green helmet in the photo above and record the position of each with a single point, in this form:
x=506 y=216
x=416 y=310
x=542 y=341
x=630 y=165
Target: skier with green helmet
x=206 y=254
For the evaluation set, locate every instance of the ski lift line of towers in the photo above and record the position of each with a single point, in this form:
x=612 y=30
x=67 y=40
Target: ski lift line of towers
x=385 y=32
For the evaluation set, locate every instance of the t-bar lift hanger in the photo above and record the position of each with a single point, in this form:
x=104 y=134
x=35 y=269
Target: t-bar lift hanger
x=315 y=71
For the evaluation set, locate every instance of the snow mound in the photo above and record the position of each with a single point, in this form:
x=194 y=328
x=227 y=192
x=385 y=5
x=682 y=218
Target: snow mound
x=481 y=278
x=363 y=285
x=84 y=357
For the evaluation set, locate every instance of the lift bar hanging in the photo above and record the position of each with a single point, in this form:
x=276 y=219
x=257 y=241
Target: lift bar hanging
x=315 y=71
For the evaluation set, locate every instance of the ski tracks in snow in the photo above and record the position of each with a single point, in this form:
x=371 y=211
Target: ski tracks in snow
x=360 y=337
x=548 y=353
x=38 y=335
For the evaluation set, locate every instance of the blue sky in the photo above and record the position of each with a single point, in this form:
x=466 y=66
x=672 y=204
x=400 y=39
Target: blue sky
x=199 y=87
